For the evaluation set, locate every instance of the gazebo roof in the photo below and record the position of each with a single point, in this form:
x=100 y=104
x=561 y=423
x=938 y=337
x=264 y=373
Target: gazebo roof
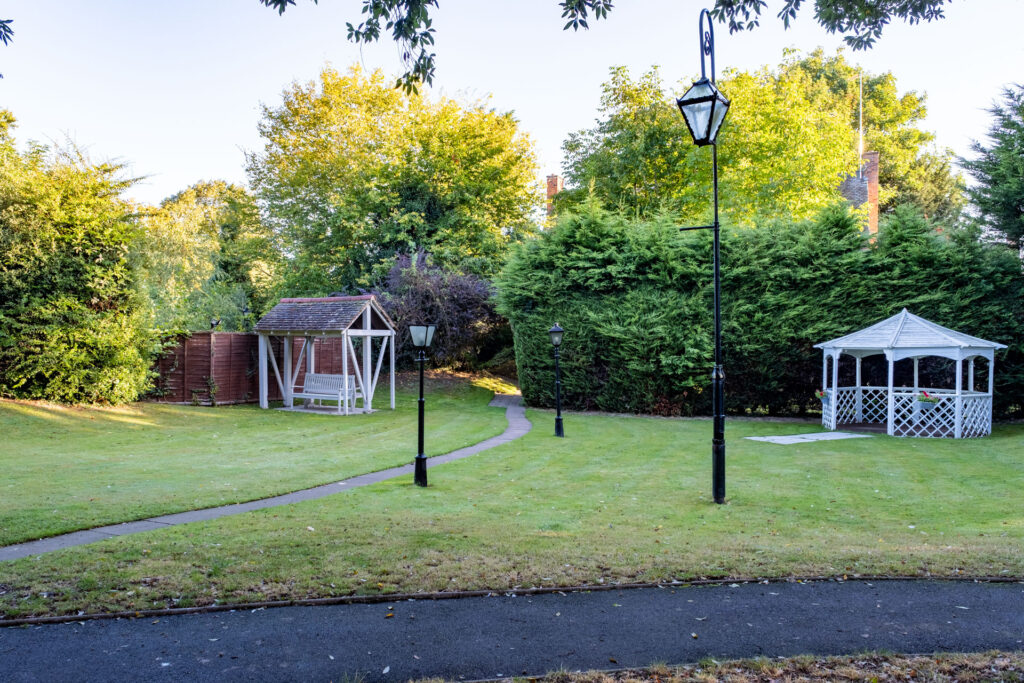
x=906 y=335
x=322 y=315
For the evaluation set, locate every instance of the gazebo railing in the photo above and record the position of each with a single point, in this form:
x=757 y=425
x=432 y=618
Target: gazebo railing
x=861 y=404
x=870 y=405
x=915 y=418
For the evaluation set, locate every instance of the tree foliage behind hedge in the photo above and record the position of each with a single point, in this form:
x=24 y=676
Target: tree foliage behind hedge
x=635 y=300
x=69 y=311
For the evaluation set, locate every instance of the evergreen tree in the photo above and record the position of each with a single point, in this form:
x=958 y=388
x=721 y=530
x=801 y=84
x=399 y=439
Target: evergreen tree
x=998 y=168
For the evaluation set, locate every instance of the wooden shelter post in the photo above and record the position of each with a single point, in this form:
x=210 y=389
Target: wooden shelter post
x=367 y=362
x=286 y=370
x=394 y=339
x=262 y=353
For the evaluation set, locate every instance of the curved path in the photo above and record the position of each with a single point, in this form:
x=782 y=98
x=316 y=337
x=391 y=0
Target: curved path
x=518 y=426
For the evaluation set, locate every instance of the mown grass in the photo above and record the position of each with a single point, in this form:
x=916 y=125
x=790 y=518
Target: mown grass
x=73 y=468
x=619 y=499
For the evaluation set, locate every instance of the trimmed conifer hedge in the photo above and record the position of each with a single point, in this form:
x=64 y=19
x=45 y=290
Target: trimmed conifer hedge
x=635 y=299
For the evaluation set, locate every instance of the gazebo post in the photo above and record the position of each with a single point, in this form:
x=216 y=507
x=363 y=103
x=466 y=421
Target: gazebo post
x=958 y=427
x=262 y=352
x=970 y=375
x=824 y=370
x=860 y=394
x=890 y=419
x=916 y=382
x=834 y=408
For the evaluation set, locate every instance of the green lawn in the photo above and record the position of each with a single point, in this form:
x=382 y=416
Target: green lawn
x=619 y=499
x=73 y=468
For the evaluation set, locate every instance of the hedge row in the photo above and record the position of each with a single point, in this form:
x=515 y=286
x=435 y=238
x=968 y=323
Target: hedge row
x=635 y=300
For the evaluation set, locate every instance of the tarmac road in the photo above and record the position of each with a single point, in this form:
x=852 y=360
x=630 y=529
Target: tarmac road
x=474 y=638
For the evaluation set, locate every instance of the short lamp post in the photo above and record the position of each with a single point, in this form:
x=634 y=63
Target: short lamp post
x=704 y=107
x=556 y=341
x=422 y=335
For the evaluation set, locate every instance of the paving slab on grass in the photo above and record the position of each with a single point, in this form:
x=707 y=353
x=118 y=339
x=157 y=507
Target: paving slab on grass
x=806 y=438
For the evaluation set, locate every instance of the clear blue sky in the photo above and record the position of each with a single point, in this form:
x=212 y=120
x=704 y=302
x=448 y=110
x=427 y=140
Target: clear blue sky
x=173 y=88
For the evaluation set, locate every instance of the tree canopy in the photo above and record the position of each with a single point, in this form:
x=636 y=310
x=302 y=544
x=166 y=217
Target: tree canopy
x=353 y=173
x=787 y=139
x=205 y=254
x=861 y=21
x=780 y=154
x=998 y=168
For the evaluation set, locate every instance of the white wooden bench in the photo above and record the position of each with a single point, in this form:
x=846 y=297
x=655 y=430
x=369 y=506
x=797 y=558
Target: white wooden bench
x=322 y=387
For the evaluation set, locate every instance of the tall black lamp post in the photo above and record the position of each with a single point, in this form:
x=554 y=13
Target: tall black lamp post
x=704 y=107
x=556 y=341
x=422 y=335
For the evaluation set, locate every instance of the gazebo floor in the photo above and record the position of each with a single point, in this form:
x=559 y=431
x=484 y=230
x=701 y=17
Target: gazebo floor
x=865 y=427
x=324 y=410
x=934 y=431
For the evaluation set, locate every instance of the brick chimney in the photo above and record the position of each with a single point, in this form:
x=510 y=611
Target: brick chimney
x=555 y=185
x=870 y=172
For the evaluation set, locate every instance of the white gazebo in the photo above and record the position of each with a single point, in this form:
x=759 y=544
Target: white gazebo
x=359 y=322
x=958 y=412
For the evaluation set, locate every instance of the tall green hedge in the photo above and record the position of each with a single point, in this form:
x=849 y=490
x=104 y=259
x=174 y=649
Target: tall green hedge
x=70 y=323
x=635 y=300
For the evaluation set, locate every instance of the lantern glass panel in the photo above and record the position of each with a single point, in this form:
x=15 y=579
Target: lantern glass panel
x=556 y=335
x=717 y=117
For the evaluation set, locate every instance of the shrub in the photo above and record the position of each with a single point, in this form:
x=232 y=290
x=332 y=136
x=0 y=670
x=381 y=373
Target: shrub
x=468 y=328
x=70 y=323
x=635 y=299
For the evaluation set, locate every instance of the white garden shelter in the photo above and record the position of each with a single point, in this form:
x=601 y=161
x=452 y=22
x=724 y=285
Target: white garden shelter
x=960 y=412
x=366 y=334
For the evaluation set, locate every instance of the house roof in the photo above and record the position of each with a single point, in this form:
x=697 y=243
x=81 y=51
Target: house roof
x=323 y=314
x=905 y=333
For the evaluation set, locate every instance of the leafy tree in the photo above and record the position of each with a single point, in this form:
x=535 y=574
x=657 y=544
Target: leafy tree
x=910 y=170
x=998 y=168
x=70 y=315
x=863 y=20
x=781 y=153
x=353 y=173
x=410 y=24
x=205 y=254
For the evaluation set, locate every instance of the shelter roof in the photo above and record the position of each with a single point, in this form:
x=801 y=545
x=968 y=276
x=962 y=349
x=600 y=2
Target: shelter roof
x=323 y=314
x=907 y=331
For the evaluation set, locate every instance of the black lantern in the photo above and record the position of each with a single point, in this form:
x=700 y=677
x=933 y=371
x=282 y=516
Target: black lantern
x=704 y=108
x=556 y=335
x=556 y=341
x=421 y=335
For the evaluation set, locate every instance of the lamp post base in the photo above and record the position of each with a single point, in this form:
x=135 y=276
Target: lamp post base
x=558 y=427
x=420 y=471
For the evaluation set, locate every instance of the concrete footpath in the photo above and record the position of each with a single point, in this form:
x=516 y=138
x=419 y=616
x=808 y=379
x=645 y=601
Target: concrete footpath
x=502 y=636
x=518 y=426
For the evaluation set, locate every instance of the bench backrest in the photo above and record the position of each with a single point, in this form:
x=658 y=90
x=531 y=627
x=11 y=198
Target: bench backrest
x=316 y=382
